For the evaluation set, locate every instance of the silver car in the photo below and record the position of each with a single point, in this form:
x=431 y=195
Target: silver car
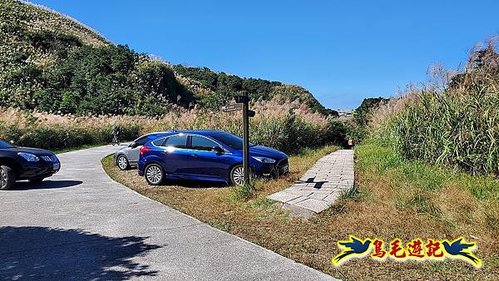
x=127 y=157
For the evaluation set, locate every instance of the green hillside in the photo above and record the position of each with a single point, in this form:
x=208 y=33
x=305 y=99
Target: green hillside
x=52 y=63
x=219 y=86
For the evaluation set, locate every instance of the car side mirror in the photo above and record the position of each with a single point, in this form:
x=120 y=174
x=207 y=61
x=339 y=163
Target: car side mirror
x=217 y=149
x=132 y=145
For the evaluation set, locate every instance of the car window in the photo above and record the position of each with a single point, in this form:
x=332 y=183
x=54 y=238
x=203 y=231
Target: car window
x=229 y=139
x=202 y=143
x=141 y=141
x=159 y=142
x=179 y=141
x=4 y=144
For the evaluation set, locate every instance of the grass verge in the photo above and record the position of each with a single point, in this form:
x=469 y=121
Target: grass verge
x=394 y=198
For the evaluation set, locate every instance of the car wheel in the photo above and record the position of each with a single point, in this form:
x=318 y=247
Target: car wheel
x=154 y=174
x=7 y=177
x=36 y=180
x=237 y=175
x=122 y=163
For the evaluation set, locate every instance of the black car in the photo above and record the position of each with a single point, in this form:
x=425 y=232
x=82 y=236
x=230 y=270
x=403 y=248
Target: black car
x=22 y=163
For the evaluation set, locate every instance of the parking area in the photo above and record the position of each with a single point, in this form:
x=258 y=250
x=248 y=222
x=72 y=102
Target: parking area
x=81 y=225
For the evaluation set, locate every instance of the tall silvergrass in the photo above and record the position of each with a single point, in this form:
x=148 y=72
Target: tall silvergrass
x=42 y=130
x=457 y=126
x=288 y=127
x=285 y=126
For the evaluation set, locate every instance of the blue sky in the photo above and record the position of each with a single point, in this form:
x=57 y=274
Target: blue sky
x=342 y=51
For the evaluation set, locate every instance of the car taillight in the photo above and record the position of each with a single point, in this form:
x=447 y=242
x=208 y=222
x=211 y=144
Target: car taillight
x=144 y=149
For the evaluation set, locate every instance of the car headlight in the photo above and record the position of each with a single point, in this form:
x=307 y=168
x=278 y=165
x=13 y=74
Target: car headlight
x=29 y=157
x=264 y=159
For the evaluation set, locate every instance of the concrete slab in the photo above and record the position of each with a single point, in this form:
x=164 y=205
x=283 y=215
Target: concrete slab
x=284 y=196
x=320 y=186
x=313 y=205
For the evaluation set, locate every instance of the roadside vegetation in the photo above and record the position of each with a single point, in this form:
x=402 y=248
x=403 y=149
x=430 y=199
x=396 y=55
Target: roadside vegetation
x=286 y=127
x=453 y=122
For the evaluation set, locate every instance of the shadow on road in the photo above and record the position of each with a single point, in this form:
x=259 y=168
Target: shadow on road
x=47 y=184
x=41 y=253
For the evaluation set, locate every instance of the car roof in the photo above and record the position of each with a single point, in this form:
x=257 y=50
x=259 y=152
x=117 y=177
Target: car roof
x=186 y=132
x=158 y=133
x=201 y=132
x=161 y=133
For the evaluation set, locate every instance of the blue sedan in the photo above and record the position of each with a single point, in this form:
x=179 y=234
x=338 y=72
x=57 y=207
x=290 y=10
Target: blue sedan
x=206 y=156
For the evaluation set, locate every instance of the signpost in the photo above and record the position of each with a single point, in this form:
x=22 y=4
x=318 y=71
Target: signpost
x=232 y=107
x=242 y=103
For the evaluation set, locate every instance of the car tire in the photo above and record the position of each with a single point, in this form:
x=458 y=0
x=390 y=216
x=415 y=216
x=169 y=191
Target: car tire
x=154 y=174
x=122 y=162
x=7 y=177
x=237 y=175
x=36 y=180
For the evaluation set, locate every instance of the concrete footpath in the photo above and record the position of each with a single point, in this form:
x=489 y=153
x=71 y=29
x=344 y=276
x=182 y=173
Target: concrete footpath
x=80 y=225
x=320 y=186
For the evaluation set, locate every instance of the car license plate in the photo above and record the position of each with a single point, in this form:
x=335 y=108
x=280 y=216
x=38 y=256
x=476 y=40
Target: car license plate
x=285 y=169
x=56 y=166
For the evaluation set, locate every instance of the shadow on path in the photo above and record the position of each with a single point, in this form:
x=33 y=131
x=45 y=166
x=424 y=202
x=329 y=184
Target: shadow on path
x=41 y=253
x=317 y=184
x=46 y=184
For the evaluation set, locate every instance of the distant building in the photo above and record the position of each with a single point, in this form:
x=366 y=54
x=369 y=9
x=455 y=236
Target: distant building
x=345 y=113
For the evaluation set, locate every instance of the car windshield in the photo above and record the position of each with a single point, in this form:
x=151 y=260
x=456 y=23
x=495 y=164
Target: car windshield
x=230 y=140
x=4 y=144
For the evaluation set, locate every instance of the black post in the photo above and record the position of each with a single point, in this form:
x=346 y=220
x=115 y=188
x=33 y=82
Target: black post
x=246 y=165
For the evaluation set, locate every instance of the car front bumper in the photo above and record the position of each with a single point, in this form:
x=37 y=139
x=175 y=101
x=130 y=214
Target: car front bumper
x=273 y=170
x=39 y=169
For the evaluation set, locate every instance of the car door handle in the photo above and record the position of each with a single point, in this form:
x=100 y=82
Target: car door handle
x=195 y=155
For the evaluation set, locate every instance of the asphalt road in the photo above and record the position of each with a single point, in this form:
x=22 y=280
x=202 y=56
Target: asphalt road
x=81 y=225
